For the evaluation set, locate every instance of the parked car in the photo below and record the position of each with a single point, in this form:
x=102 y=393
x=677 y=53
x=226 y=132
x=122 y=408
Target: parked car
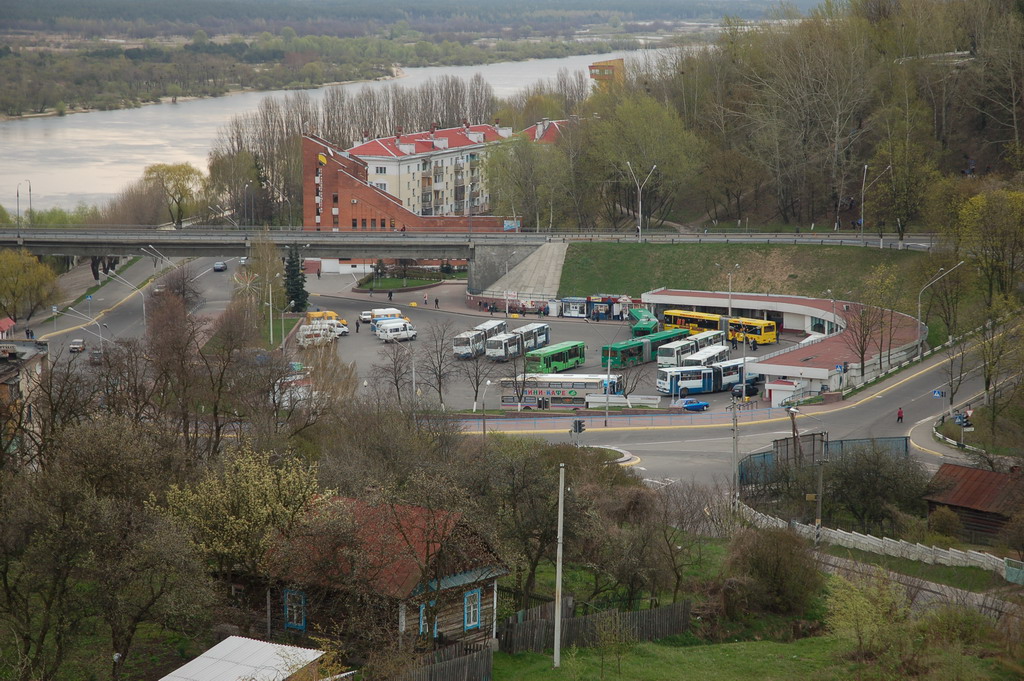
x=220 y=266
x=691 y=404
x=737 y=390
x=77 y=345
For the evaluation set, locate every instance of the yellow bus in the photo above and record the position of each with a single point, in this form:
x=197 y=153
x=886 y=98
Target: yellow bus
x=694 y=321
x=743 y=329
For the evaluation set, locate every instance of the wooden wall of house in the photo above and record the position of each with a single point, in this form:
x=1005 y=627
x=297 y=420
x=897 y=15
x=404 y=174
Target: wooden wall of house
x=450 y=614
x=979 y=526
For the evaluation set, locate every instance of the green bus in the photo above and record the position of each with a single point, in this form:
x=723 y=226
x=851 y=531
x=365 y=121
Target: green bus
x=555 y=358
x=645 y=323
x=639 y=350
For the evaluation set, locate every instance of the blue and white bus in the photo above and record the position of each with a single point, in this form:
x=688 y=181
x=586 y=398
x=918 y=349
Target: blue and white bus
x=683 y=381
x=734 y=372
x=534 y=336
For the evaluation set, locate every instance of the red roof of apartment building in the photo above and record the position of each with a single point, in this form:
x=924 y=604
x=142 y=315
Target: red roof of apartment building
x=424 y=142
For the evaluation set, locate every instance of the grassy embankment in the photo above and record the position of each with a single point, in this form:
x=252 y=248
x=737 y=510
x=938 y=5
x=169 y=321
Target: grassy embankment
x=778 y=269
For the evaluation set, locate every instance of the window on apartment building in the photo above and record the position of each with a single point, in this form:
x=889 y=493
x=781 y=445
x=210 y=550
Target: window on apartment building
x=381 y=170
x=355 y=223
x=373 y=223
x=335 y=220
x=364 y=223
x=334 y=197
x=383 y=186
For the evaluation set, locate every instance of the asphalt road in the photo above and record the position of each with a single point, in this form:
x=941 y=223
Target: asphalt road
x=697 y=447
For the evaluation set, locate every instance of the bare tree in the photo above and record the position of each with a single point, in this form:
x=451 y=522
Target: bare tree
x=862 y=324
x=393 y=370
x=476 y=371
x=436 y=359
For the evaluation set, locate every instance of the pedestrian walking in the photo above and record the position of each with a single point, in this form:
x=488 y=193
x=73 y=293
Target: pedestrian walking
x=899 y=415
x=318 y=274
x=437 y=303
x=391 y=294
x=424 y=300
x=357 y=326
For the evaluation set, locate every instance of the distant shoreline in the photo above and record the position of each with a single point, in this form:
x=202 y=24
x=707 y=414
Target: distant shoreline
x=396 y=73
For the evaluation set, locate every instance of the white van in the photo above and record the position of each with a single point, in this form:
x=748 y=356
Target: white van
x=395 y=330
x=381 y=313
x=309 y=335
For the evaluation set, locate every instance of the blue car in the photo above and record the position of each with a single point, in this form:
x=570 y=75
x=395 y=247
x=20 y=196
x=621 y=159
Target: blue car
x=691 y=404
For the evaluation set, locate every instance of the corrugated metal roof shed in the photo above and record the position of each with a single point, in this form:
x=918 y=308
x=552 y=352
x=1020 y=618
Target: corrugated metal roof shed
x=237 y=658
x=977 y=489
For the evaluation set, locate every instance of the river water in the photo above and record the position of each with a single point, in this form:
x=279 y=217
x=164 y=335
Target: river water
x=90 y=157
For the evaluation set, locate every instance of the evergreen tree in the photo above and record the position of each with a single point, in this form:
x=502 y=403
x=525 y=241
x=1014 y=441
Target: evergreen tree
x=295 y=280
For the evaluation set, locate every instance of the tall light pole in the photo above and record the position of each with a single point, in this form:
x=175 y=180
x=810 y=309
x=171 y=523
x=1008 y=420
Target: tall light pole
x=558 y=567
x=864 y=189
x=483 y=403
x=287 y=307
x=507 y=260
x=833 y=326
x=729 y=274
x=158 y=254
x=640 y=198
x=938 y=275
x=142 y=295
x=17 y=199
x=608 y=371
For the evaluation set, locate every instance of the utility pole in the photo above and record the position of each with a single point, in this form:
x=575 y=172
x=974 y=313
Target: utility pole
x=558 y=567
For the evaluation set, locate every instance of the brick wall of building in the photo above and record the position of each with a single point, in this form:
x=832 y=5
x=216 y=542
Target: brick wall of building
x=336 y=191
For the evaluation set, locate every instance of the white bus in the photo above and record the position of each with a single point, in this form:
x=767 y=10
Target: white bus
x=713 y=354
x=706 y=338
x=683 y=381
x=384 y=313
x=504 y=347
x=734 y=371
x=535 y=335
x=492 y=327
x=469 y=344
x=672 y=354
x=556 y=391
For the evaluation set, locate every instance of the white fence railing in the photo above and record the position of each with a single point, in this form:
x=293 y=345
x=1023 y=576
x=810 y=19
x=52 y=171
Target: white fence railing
x=885 y=546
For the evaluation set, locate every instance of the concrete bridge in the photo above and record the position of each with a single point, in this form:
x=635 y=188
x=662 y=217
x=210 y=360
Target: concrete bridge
x=491 y=256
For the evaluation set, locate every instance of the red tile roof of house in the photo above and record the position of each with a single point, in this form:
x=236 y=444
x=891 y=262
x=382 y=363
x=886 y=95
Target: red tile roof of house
x=545 y=132
x=977 y=489
x=397 y=544
x=423 y=142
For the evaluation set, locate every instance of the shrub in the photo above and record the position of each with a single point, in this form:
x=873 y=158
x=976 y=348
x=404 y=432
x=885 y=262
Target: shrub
x=869 y=611
x=780 y=567
x=946 y=522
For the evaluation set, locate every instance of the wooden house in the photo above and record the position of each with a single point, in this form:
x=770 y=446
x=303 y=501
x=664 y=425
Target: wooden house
x=984 y=500
x=414 y=571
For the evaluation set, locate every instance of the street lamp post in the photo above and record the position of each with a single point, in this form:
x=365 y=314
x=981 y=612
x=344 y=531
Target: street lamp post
x=558 y=567
x=938 y=275
x=729 y=274
x=607 y=358
x=91 y=320
x=833 y=324
x=864 y=189
x=640 y=198
x=142 y=295
x=507 y=260
x=483 y=403
x=291 y=303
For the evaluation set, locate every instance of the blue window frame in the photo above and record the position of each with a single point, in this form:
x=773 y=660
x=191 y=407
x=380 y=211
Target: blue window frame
x=423 y=619
x=294 y=609
x=471 y=602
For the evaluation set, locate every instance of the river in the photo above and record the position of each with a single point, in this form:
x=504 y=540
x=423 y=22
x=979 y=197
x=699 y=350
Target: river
x=90 y=157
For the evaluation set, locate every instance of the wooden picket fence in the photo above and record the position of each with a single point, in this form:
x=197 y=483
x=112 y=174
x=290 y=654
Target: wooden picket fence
x=475 y=666
x=536 y=635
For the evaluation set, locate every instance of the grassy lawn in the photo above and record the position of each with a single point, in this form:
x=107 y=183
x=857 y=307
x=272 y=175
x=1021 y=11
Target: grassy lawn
x=385 y=284
x=289 y=324
x=967 y=578
x=809 y=659
x=800 y=270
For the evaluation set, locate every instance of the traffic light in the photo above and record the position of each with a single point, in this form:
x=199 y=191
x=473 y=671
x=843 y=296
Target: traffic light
x=578 y=426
